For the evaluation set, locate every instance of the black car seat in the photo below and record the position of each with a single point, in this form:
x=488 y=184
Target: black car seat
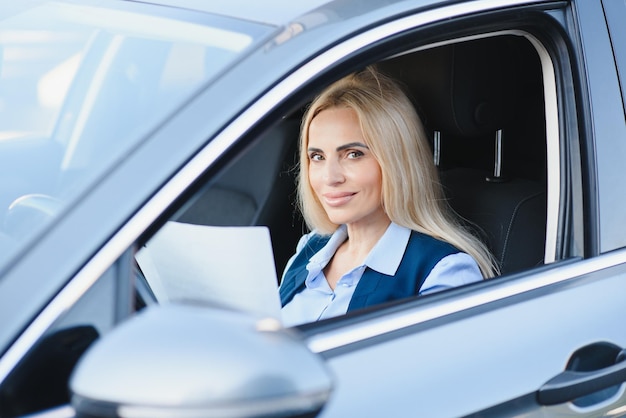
x=483 y=102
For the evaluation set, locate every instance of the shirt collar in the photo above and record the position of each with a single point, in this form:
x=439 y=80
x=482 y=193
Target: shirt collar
x=387 y=254
x=323 y=256
x=385 y=257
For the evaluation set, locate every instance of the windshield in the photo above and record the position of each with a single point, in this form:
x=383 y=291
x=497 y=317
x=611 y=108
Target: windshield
x=81 y=85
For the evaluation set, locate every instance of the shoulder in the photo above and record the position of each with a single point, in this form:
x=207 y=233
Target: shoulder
x=311 y=239
x=423 y=252
x=307 y=246
x=456 y=262
x=431 y=244
x=452 y=271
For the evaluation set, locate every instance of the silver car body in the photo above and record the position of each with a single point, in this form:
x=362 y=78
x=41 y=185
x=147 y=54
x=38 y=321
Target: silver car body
x=483 y=350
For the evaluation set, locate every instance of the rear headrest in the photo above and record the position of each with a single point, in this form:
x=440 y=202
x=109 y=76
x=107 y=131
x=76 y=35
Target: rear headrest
x=468 y=88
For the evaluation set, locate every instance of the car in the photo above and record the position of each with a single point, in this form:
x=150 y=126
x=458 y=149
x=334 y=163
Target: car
x=148 y=152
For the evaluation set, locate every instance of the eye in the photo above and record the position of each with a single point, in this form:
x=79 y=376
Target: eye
x=352 y=154
x=314 y=156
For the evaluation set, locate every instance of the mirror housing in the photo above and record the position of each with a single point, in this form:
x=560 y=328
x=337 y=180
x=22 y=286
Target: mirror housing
x=198 y=361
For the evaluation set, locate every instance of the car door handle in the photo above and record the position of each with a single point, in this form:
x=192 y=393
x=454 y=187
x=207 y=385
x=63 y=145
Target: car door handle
x=569 y=385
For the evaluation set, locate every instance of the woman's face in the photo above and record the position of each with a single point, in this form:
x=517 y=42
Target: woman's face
x=343 y=173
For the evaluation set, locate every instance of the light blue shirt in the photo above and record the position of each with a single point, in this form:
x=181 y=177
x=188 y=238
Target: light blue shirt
x=318 y=301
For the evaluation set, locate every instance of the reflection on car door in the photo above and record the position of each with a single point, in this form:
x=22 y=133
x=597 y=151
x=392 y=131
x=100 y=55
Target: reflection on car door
x=487 y=351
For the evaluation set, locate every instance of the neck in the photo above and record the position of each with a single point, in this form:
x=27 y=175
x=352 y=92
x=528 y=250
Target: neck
x=363 y=237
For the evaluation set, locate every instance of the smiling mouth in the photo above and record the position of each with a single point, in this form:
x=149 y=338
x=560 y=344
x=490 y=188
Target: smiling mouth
x=337 y=199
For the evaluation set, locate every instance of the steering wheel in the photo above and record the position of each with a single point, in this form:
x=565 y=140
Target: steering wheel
x=28 y=212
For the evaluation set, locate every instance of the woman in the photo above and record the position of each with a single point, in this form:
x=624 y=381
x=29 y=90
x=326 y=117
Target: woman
x=368 y=190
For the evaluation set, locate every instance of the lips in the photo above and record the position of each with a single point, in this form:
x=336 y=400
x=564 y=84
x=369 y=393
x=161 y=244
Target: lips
x=335 y=199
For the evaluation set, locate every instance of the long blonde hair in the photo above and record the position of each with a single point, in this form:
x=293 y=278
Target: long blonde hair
x=411 y=193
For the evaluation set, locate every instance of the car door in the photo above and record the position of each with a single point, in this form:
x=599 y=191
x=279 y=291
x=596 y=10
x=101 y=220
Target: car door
x=543 y=341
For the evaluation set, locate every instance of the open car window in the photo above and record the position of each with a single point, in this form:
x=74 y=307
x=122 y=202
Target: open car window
x=483 y=102
x=228 y=243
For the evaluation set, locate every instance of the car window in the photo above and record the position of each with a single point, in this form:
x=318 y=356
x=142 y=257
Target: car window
x=482 y=102
x=229 y=242
x=81 y=85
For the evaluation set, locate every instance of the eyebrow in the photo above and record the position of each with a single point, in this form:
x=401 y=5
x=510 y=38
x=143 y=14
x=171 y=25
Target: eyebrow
x=352 y=145
x=342 y=147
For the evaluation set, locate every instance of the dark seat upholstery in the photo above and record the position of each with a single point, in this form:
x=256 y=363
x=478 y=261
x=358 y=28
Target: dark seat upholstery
x=240 y=195
x=508 y=216
x=257 y=189
x=467 y=92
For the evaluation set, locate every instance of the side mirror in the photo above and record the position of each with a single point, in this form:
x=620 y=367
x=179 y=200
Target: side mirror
x=197 y=361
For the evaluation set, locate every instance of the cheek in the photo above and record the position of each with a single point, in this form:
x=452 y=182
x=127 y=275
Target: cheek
x=314 y=178
x=377 y=187
x=373 y=178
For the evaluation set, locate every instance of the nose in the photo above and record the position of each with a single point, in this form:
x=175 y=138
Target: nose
x=333 y=173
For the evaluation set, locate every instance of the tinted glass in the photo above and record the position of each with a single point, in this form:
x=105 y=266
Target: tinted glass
x=81 y=85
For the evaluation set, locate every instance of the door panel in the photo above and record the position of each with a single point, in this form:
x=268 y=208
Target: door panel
x=488 y=355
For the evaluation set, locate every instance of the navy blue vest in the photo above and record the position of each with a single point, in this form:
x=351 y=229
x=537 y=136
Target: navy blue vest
x=422 y=253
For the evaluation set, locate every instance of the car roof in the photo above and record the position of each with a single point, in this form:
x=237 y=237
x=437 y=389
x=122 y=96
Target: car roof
x=273 y=12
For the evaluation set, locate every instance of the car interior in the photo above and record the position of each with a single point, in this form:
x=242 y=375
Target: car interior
x=481 y=101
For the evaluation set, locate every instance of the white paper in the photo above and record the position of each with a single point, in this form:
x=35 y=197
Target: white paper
x=232 y=266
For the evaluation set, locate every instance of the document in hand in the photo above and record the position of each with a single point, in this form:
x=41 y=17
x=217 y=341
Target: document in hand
x=231 y=266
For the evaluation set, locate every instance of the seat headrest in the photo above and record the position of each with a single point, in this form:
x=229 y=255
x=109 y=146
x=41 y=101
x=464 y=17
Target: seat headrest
x=468 y=88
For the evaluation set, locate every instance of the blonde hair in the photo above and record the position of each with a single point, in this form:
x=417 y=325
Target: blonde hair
x=411 y=193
